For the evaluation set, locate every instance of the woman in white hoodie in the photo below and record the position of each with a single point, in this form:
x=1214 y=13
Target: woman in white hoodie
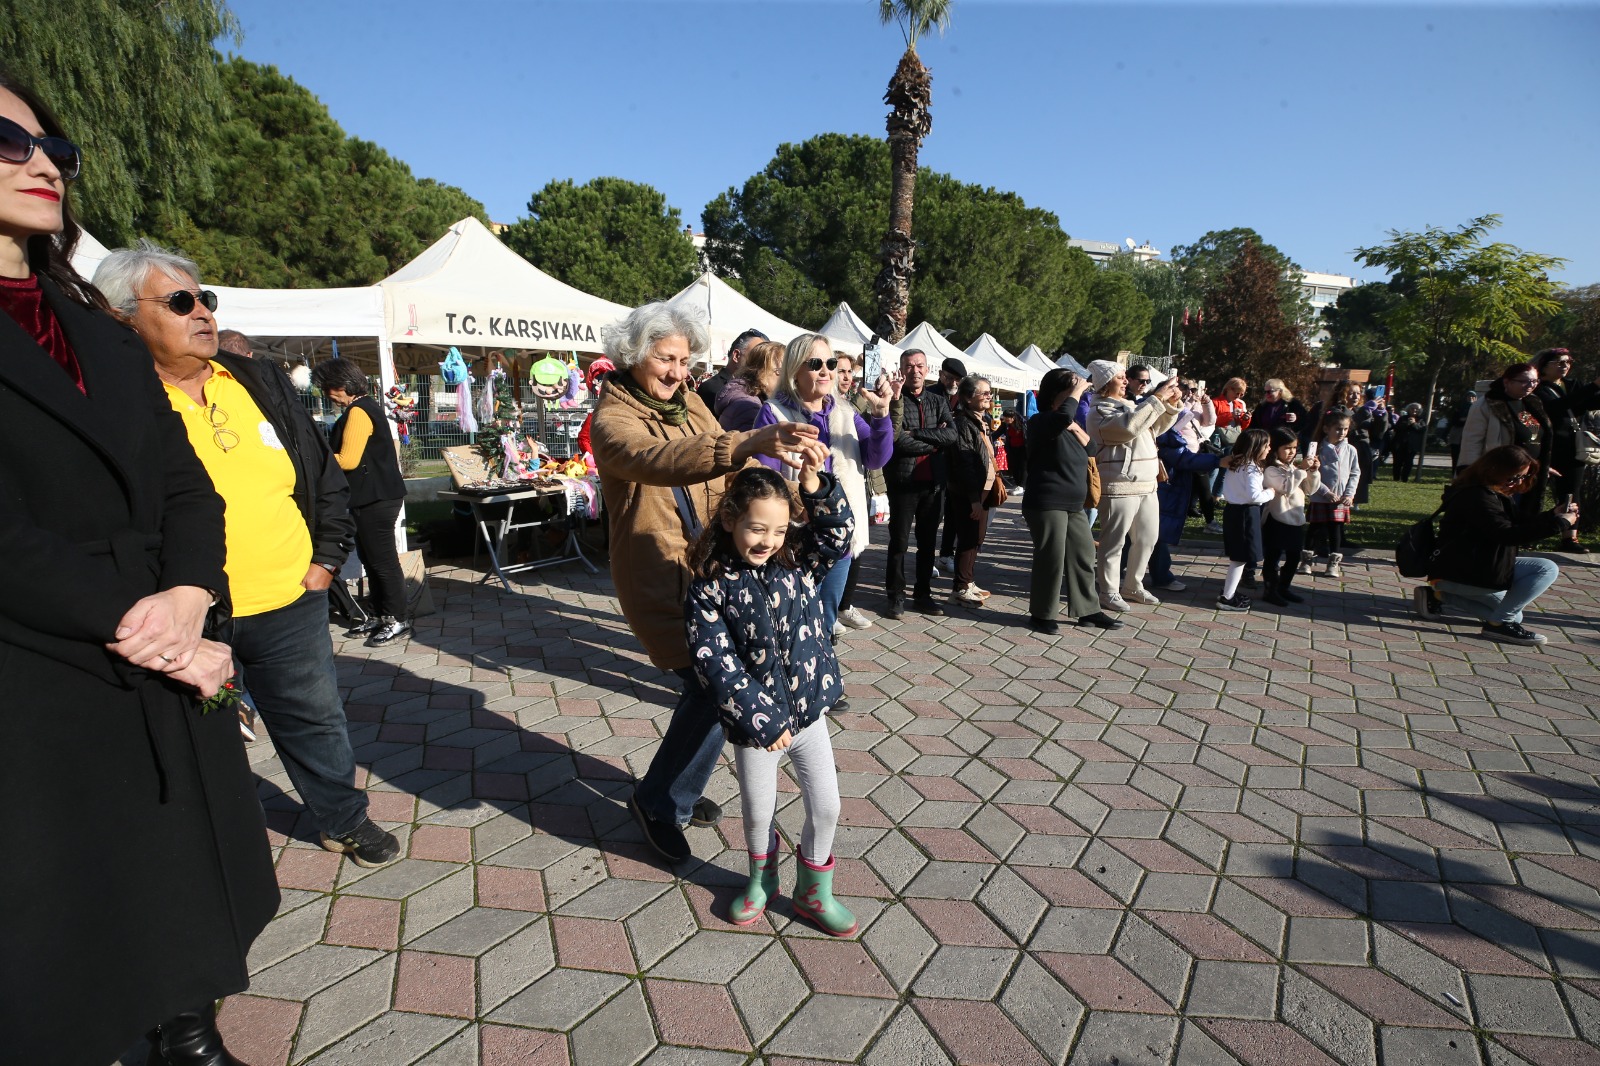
x=1123 y=436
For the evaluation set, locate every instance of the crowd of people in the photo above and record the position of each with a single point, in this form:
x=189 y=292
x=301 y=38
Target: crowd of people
x=182 y=519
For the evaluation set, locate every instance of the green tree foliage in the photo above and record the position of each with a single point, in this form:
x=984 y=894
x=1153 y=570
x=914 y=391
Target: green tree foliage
x=1243 y=331
x=1358 y=331
x=1115 y=318
x=1162 y=285
x=135 y=84
x=1200 y=265
x=297 y=203
x=1576 y=325
x=803 y=235
x=616 y=239
x=1465 y=304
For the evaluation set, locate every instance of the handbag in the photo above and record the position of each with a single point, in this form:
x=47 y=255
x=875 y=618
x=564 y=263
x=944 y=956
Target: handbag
x=1414 y=553
x=997 y=494
x=1091 y=499
x=1588 y=438
x=878 y=509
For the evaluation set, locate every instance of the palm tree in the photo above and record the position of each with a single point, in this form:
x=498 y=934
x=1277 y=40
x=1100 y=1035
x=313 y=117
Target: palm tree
x=909 y=94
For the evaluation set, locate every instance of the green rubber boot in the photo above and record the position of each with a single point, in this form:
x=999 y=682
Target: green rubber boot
x=748 y=907
x=813 y=898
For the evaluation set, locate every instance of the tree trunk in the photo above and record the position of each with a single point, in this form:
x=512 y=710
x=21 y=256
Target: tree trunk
x=1427 y=421
x=909 y=94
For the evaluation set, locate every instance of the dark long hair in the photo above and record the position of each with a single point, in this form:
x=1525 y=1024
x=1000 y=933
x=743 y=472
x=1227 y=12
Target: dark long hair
x=713 y=552
x=1281 y=437
x=1496 y=465
x=50 y=255
x=1251 y=443
x=1054 y=383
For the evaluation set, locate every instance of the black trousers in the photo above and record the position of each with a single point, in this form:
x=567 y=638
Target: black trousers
x=1280 y=542
x=375 y=542
x=921 y=509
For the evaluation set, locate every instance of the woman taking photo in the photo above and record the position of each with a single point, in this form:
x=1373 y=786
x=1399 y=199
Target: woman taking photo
x=1053 y=507
x=364 y=448
x=855 y=443
x=1476 y=570
x=139 y=875
x=1565 y=406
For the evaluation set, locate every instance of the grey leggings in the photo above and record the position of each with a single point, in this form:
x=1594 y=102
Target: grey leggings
x=811 y=755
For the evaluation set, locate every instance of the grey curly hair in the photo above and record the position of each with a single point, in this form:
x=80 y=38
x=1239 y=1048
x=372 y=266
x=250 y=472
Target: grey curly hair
x=627 y=342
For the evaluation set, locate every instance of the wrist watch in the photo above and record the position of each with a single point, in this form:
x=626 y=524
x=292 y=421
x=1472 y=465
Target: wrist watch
x=330 y=568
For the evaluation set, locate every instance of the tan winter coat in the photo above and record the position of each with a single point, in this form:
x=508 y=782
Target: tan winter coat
x=1293 y=486
x=640 y=458
x=1125 y=436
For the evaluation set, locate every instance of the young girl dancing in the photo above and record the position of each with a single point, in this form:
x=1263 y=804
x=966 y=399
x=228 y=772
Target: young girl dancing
x=755 y=626
x=1329 y=509
x=1243 y=493
x=1283 y=521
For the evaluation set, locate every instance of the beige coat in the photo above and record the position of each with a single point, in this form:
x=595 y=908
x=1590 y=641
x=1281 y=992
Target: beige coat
x=1124 y=435
x=640 y=458
x=1293 y=486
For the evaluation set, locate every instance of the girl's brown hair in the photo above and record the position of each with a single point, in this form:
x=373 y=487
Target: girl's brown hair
x=1254 y=445
x=761 y=359
x=713 y=552
x=1497 y=466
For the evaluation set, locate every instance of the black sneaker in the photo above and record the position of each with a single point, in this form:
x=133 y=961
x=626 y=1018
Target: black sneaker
x=1044 y=625
x=389 y=630
x=707 y=813
x=366 y=844
x=926 y=605
x=840 y=706
x=1238 y=602
x=1512 y=633
x=247 y=722
x=1101 y=620
x=895 y=611
x=361 y=629
x=667 y=839
x=1425 y=602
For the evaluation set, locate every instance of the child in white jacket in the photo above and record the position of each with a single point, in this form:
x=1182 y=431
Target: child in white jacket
x=1244 y=491
x=1283 y=522
x=1329 y=509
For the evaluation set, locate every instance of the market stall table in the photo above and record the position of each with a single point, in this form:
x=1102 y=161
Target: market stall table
x=494 y=527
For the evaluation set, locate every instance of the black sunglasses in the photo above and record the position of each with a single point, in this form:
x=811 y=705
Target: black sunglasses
x=17 y=145
x=181 y=303
x=814 y=365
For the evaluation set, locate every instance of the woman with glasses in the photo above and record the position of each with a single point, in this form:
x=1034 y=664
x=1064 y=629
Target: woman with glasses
x=1510 y=413
x=1476 y=570
x=974 y=484
x=137 y=872
x=1565 y=405
x=856 y=443
x=1278 y=407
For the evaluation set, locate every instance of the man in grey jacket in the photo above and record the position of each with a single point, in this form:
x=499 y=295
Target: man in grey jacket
x=916 y=478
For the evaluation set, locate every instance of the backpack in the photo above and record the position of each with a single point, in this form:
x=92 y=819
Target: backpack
x=453 y=369
x=1415 y=552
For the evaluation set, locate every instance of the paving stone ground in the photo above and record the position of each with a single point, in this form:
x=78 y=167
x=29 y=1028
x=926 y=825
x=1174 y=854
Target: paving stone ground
x=1335 y=834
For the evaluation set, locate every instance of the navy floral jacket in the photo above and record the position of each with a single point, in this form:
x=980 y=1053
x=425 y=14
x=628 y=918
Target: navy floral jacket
x=757 y=633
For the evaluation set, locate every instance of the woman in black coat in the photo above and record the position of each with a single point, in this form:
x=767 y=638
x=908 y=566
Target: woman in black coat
x=1565 y=405
x=364 y=447
x=1475 y=570
x=137 y=871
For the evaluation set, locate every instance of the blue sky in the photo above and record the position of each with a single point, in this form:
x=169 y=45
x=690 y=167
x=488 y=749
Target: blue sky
x=1319 y=125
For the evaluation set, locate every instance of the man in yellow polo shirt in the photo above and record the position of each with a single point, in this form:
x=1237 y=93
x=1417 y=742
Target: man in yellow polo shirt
x=288 y=530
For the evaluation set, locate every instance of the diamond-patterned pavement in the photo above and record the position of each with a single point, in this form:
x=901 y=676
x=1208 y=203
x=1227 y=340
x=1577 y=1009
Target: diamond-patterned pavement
x=1335 y=834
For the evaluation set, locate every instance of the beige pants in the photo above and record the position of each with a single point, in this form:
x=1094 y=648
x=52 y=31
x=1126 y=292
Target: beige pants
x=1135 y=519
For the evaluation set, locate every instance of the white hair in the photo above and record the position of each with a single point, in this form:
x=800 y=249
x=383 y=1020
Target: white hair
x=121 y=274
x=630 y=340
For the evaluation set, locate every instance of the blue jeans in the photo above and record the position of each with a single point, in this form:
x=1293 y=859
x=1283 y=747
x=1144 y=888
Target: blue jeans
x=1529 y=579
x=832 y=592
x=688 y=754
x=1161 y=564
x=285 y=658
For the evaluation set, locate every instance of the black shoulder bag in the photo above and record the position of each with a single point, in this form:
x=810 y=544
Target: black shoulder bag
x=1414 y=553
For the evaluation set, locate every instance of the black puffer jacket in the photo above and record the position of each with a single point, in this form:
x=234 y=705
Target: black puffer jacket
x=967 y=460
x=925 y=427
x=1479 y=534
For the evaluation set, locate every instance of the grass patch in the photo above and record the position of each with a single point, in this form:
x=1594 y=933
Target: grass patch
x=1395 y=506
x=420 y=515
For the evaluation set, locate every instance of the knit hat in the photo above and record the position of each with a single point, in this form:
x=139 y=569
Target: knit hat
x=1101 y=371
x=954 y=366
x=599 y=367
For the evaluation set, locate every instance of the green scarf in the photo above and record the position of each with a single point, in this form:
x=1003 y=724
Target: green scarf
x=674 y=412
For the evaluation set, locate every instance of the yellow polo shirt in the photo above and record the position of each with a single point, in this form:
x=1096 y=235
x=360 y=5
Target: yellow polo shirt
x=269 y=547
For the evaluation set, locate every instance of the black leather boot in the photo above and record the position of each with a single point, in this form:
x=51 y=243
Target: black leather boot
x=190 y=1039
x=1274 y=590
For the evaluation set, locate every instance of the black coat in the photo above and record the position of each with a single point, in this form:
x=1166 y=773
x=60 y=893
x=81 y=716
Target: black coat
x=137 y=871
x=967 y=462
x=1564 y=405
x=377 y=476
x=1479 y=534
x=925 y=427
x=1058 y=465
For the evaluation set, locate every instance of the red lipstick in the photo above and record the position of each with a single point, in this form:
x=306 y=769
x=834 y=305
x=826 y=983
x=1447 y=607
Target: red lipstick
x=44 y=194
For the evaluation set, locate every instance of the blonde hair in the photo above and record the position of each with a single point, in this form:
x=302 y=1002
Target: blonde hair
x=1231 y=382
x=762 y=359
x=1277 y=383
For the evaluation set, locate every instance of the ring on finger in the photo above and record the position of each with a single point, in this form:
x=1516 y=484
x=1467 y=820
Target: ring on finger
x=165 y=659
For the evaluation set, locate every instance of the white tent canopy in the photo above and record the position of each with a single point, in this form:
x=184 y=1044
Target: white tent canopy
x=932 y=342
x=1033 y=356
x=468 y=288
x=986 y=356
x=1073 y=365
x=731 y=313
x=851 y=334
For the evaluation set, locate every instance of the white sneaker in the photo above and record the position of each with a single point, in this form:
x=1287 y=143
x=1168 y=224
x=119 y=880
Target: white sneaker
x=985 y=593
x=1138 y=594
x=1171 y=586
x=838 y=630
x=855 y=619
x=1112 y=602
x=968 y=597
x=1017 y=491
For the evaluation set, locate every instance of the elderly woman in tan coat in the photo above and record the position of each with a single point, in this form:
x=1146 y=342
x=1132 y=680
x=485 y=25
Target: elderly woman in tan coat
x=662 y=458
x=1124 y=437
